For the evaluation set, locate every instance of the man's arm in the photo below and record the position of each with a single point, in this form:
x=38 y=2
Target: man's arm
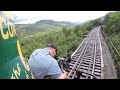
x=54 y=71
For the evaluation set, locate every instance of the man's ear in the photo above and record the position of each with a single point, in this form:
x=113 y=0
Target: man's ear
x=56 y=57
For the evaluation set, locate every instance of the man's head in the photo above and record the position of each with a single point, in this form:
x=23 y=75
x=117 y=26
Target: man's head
x=53 y=49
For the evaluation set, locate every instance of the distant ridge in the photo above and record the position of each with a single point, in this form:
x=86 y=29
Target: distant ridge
x=55 y=23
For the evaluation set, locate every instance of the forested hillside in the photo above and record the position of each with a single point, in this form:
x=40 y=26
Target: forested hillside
x=24 y=30
x=112 y=28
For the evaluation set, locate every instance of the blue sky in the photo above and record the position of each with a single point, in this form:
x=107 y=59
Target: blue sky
x=27 y=17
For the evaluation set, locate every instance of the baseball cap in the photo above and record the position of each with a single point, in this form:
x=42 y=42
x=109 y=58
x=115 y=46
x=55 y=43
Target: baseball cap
x=53 y=45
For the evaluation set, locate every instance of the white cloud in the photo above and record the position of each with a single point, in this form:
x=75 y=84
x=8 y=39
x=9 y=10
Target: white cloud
x=71 y=16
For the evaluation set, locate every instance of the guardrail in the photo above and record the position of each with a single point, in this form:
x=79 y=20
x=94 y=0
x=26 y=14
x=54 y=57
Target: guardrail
x=114 y=52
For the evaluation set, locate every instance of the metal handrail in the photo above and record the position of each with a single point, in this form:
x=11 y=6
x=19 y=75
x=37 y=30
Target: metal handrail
x=110 y=43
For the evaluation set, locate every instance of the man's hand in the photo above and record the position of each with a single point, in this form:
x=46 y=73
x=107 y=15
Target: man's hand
x=64 y=72
x=63 y=75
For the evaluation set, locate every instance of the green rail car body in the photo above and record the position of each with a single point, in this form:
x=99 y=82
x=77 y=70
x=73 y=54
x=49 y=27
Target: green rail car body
x=12 y=63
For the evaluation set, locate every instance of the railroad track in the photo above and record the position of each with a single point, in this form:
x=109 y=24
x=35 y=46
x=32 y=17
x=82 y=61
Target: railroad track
x=86 y=61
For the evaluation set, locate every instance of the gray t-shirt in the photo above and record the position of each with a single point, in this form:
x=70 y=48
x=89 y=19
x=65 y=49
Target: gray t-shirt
x=42 y=64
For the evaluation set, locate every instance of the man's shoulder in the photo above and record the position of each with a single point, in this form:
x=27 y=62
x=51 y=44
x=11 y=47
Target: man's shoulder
x=39 y=51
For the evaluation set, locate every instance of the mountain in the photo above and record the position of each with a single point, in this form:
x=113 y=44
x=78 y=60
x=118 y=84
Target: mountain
x=55 y=23
x=41 y=26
